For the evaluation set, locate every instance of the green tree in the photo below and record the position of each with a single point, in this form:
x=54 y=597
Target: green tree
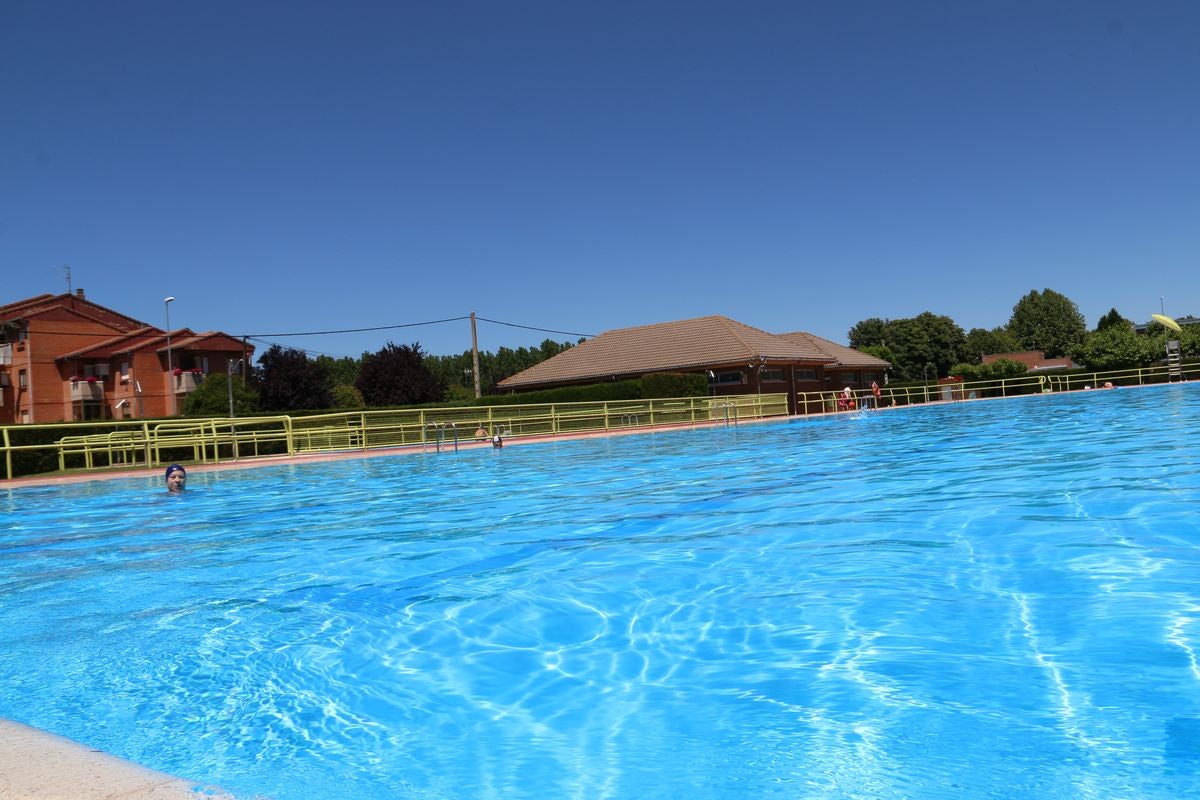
x=924 y=345
x=871 y=332
x=211 y=397
x=347 y=396
x=340 y=371
x=456 y=371
x=289 y=381
x=1110 y=319
x=1118 y=347
x=396 y=375
x=1049 y=322
x=982 y=342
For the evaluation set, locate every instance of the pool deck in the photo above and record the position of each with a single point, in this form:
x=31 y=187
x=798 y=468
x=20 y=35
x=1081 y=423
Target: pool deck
x=35 y=765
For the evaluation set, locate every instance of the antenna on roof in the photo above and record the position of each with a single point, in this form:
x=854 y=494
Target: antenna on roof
x=66 y=268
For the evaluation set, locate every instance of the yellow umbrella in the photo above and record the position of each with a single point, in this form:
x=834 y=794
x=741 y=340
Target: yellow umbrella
x=1168 y=322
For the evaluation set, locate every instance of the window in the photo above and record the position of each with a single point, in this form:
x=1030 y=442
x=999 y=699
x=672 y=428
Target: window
x=729 y=377
x=772 y=375
x=806 y=374
x=21 y=380
x=124 y=372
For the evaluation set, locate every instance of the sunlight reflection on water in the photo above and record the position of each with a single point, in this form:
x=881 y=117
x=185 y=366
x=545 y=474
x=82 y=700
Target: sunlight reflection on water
x=986 y=599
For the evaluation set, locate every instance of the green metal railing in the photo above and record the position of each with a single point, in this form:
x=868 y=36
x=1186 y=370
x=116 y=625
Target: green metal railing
x=151 y=444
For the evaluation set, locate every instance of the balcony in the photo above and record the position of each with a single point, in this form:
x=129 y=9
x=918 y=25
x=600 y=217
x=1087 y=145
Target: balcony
x=6 y=354
x=186 y=381
x=86 y=390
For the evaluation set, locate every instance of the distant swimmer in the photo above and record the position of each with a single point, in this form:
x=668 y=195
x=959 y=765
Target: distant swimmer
x=176 y=479
x=497 y=442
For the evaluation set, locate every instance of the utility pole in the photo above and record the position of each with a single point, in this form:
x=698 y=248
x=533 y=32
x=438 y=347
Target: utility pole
x=475 y=355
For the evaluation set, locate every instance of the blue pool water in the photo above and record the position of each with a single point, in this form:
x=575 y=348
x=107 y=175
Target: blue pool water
x=986 y=600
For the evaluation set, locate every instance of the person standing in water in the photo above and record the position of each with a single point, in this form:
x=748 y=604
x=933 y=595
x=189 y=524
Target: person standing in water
x=176 y=479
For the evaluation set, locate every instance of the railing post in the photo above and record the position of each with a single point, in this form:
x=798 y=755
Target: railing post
x=7 y=454
x=605 y=415
x=553 y=421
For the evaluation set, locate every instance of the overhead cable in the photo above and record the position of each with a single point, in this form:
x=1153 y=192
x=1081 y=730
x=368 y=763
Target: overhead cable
x=530 y=328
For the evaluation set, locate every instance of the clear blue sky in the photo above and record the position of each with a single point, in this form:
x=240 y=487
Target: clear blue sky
x=582 y=166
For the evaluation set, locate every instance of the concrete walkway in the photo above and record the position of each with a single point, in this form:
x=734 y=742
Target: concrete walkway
x=35 y=765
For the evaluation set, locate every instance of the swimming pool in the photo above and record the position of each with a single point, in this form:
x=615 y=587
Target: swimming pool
x=992 y=599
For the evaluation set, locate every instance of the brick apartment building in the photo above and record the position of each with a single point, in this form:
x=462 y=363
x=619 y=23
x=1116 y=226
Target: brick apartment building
x=65 y=358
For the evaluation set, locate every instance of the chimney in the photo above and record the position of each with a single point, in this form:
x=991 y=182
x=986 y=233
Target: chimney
x=79 y=293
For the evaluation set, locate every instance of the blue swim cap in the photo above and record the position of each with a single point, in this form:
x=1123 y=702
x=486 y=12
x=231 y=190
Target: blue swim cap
x=174 y=468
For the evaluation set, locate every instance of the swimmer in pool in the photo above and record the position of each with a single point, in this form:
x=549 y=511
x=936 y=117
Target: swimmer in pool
x=176 y=479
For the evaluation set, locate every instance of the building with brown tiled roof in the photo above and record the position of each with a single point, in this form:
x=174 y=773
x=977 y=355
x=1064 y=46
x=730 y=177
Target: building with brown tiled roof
x=736 y=358
x=63 y=357
x=1033 y=360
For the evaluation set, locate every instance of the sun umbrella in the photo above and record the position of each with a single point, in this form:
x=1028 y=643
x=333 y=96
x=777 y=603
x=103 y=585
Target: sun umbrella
x=1167 y=321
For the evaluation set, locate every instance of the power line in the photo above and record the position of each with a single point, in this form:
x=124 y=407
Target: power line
x=531 y=328
x=352 y=330
x=304 y=350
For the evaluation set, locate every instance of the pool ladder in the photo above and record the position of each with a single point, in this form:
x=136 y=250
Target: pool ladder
x=439 y=435
x=727 y=407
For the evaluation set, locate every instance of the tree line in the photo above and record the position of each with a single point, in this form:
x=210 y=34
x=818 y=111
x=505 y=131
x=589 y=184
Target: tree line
x=930 y=346
x=286 y=380
x=923 y=347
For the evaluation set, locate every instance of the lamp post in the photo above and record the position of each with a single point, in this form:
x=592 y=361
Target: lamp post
x=170 y=366
x=233 y=367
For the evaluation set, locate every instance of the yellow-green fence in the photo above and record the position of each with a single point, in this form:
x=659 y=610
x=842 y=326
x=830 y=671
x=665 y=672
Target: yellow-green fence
x=152 y=443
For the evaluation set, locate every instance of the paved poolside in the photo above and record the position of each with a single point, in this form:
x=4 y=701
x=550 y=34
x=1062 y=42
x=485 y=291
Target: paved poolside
x=36 y=765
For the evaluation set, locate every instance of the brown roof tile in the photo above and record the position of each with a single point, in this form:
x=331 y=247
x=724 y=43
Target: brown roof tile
x=844 y=356
x=689 y=344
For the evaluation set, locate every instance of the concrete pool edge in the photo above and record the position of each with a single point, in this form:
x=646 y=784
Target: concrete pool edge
x=38 y=765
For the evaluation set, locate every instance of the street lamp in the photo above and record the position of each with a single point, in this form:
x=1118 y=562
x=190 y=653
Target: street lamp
x=233 y=368
x=170 y=367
